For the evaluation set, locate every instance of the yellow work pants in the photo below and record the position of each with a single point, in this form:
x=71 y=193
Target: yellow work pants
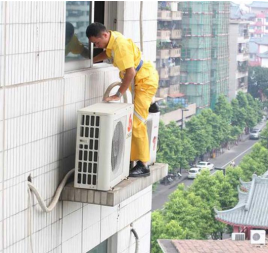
x=145 y=89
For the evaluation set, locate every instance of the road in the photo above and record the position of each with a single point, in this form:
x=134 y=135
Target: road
x=236 y=153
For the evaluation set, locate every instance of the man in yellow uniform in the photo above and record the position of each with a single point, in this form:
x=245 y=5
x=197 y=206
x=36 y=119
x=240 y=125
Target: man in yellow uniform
x=72 y=44
x=126 y=56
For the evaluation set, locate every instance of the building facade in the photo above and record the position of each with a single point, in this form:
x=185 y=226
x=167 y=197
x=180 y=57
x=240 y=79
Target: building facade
x=205 y=52
x=239 y=56
x=40 y=93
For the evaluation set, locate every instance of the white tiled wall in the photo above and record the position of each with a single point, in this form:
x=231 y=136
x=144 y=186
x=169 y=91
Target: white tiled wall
x=38 y=105
x=128 y=23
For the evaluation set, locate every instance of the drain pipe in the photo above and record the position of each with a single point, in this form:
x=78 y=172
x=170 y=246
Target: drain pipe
x=137 y=239
x=56 y=197
x=141 y=25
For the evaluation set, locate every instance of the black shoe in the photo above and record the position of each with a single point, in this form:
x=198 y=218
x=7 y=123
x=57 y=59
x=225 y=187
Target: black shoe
x=154 y=108
x=139 y=170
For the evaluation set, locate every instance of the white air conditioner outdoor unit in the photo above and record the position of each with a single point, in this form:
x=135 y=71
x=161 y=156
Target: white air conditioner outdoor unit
x=104 y=132
x=238 y=236
x=152 y=131
x=257 y=236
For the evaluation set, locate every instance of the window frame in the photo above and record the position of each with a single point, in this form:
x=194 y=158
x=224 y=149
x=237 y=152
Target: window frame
x=110 y=21
x=82 y=64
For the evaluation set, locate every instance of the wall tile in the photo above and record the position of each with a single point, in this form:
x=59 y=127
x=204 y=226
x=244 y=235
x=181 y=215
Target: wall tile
x=2 y=41
x=72 y=225
x=1 y=103
x=19 y=247
x=91 y=215
x=1 y=242
x=2 y=12
x=1 y=136
x=91 y=237
x=74 y=89
x=1 y=173
x=94 y=85
x=15 y=228
x=72 y=245
x=70 y=207
x=70 y=115
x=15 y=199
x=1 y=71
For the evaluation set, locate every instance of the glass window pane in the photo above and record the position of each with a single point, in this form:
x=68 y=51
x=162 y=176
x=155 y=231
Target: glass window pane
x=77 y=20
x=101 y=248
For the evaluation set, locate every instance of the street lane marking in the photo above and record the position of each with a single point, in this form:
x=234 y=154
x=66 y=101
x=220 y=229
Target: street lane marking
x=234 y=158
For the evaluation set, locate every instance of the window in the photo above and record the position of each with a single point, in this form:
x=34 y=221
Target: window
x=77 y=19
x=101 y=248
x=266 y=20
x=266 y=27
x=79 y=14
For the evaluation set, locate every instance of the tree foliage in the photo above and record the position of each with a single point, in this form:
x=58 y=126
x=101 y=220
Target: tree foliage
x=257 y=81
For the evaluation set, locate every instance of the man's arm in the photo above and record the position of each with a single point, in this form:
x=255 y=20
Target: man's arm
x=130 y=74
x=100 y=57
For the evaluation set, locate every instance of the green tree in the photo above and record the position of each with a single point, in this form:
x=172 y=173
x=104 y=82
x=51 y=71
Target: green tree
x=223 y=109
x=257 y=81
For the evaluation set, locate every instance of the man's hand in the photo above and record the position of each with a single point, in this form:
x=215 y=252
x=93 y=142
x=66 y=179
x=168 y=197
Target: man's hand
x=112 y=98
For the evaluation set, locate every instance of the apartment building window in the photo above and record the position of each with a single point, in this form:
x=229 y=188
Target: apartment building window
x=101 y=248
x=266 y=20
x=80 y=14
x=266 y=27
x=78 y=17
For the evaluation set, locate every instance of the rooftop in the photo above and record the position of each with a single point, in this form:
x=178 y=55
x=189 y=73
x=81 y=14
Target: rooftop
x=263 y=55
x=210 y=246
x=258 y=4
x=252 y=207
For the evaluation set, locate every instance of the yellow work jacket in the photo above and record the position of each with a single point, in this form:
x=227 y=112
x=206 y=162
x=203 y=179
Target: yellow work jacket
x=125 y=54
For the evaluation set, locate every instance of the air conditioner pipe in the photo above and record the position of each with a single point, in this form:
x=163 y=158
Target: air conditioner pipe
x=137 y=240
x=56 y=196
x=110 y=87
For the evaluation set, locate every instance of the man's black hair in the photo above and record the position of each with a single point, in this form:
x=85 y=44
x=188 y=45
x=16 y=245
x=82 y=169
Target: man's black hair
x=69 y=30
x=95 y=29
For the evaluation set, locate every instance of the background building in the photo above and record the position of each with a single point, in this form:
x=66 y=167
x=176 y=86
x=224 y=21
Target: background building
x=205 y=52
x=40 y=94
x=239 y=56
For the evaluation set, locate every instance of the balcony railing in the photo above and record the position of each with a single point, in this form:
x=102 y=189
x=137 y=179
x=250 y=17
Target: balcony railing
x=163 y=34
x=163 y=73
x=175 y=52
x=175 y=34
x=162 y=54
x=162 y=92
x=176 y=15
x=174 y=71
x=164 y=15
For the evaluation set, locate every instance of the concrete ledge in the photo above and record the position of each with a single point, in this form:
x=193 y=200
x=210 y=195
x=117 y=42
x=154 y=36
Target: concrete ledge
x=122 y=191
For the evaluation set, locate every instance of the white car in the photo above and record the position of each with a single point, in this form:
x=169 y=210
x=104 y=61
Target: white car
x=193 y=172
x=205 y=165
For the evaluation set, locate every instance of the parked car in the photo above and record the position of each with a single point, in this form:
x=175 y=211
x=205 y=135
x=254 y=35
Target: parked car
x=254 y=134
x=205 y=165
x=193 y=172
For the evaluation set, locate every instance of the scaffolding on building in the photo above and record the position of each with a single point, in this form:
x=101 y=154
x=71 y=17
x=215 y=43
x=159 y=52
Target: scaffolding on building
x=204 y=58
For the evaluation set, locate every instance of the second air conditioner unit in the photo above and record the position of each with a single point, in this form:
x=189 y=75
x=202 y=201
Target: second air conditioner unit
x=257 y=236
x=104 y=132
x=238 y=236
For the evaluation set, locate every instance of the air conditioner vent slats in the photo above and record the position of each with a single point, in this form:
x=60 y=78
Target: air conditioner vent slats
x=88 y=153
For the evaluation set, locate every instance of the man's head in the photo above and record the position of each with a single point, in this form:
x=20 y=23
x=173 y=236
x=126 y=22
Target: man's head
x=98 y=34
x=69 y=32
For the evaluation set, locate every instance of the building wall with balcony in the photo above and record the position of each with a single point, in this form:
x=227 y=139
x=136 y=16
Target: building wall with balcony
x=238 y=55
x=38 y=105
